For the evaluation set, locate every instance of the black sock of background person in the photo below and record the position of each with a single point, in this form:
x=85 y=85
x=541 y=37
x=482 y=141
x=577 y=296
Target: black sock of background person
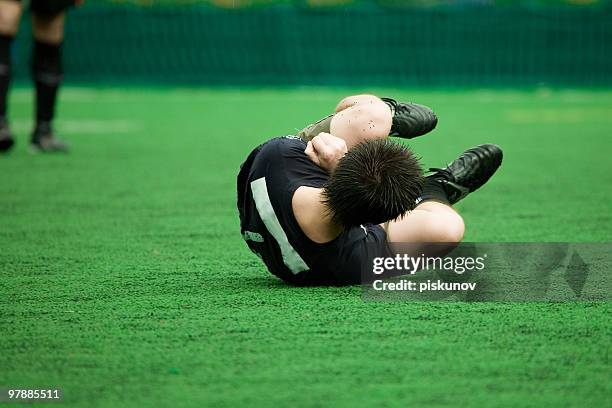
x=5 y=70
x=47 y=72
x=433 y=190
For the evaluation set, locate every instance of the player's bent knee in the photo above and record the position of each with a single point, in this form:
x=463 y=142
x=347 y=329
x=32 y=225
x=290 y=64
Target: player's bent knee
x=448 y=228
x=354 y=100
x=362 y=122
x=379 y=117
x=455 y=229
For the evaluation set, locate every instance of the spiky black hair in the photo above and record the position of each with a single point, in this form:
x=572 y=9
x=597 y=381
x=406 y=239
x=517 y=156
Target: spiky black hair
x=376 y=181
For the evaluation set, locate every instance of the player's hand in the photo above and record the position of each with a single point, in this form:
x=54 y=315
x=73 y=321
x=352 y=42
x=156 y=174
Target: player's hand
x=326 y=150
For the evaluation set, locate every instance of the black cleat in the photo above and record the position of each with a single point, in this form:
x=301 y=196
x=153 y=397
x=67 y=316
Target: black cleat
x=469 y=172
x=6 y=137
x=410 y=119
x=43 y=140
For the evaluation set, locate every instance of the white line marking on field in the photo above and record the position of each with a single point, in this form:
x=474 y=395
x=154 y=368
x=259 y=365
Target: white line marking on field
x=84 y=126
x=561 y=115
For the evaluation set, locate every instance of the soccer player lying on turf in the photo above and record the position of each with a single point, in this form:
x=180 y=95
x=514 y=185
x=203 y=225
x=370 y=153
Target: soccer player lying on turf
x=312 y=206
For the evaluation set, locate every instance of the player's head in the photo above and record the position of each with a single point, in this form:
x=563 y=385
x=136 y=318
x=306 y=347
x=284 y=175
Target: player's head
x=376 y=181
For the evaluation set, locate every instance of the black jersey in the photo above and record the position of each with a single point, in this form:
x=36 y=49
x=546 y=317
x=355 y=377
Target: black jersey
x=266 y=183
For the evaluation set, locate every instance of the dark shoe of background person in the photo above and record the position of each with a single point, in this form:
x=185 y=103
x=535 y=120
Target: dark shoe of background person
x=44 y=140
x=6 y=137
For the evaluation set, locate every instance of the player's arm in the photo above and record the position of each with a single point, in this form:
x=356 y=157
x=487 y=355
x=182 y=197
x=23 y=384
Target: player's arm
x=308 y=204
x=325 y=150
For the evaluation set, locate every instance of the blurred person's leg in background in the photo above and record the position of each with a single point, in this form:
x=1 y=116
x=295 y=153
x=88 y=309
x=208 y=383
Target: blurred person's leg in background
x=10 y=15
x=48 y=18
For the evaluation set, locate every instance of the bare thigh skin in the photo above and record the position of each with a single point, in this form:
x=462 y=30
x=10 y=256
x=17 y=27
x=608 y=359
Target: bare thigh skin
x=10 y=16
x=49 y=29
x=430 y=222
x=367 y=117
x=359 y=118
x=353 y=100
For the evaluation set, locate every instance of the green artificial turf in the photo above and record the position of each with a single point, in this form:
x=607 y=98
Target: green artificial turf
x=124 y=279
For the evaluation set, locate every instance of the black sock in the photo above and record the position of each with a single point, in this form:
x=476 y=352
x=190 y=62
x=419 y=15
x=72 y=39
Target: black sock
x=433 y=191
x=47 y=71
x=5 y=71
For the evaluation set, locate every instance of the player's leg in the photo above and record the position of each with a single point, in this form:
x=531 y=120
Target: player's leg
x=47 y=73
x=356 y=122
x=434 y=220
x=429 y=222
x=353 y=100
x=350 y=113
x=10 y=14
x=408 y=120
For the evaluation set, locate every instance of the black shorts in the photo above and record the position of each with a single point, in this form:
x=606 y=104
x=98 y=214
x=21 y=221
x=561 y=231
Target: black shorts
x=49 y=7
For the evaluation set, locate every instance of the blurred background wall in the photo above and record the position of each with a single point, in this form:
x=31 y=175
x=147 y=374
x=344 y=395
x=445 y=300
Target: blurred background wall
x=337 y=42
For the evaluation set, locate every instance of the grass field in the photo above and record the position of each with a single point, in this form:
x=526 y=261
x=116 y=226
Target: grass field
x=125 y=282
